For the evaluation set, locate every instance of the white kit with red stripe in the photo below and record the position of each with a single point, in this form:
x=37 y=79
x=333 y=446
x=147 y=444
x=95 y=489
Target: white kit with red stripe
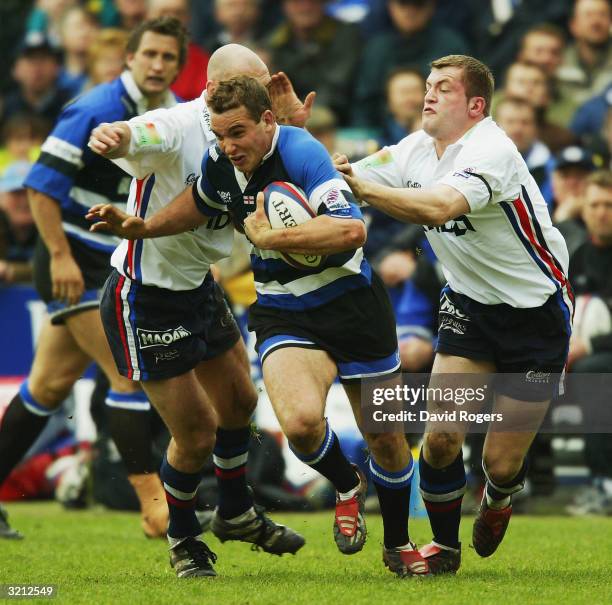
x=505 y=250
x=164 y=158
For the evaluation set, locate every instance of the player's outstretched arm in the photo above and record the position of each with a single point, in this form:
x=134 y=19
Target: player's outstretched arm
x=427 y=206
x=177 y=217
x=320 y=235
x=111 y=140
x=287 y=107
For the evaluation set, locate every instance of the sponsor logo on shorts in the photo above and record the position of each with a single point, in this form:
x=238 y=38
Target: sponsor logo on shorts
x=536 y=377
x=155 y=338
x=448 y=323
x=166 y=355
x=448 y=307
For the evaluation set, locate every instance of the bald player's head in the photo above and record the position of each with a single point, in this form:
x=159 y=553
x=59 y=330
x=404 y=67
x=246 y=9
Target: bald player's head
x=235 y=60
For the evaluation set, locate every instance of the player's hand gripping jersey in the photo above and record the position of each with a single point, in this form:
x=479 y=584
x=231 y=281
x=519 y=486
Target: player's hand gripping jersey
x=298 y=158
x=506 y=249
x=165 y=154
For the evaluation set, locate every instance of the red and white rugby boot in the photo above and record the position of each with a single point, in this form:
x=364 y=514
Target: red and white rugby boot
x=349 y=524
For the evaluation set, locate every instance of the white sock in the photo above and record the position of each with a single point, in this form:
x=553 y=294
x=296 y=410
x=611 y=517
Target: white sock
x=497 y=504
x=175 y=541
x=248 y=515
x=407 y=546
x=348 y=495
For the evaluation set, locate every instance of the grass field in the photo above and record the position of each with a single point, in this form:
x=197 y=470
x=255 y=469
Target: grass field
x=96 y=557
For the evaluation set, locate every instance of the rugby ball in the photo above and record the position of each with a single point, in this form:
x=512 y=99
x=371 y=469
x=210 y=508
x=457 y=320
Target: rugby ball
x=591 y=317
x=286 y=206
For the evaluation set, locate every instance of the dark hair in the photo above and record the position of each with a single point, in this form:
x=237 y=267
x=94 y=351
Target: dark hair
x=240 y=91
x=477 y=77
x=164 y=26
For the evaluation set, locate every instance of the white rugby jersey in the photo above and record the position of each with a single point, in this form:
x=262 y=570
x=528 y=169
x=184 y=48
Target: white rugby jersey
x=165 y=154
x=505 y=250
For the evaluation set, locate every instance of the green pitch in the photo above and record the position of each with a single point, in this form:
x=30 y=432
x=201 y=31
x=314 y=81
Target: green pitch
x=99 y=557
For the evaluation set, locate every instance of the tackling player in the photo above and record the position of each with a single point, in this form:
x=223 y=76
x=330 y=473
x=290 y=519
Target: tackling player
x=507 y=306
x=71 y=264
x=175 y=332
x=335 y=320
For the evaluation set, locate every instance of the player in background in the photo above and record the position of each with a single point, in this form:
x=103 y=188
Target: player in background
x=71 y=264
x=507 y=306
x=162 y=290
x=335 y=320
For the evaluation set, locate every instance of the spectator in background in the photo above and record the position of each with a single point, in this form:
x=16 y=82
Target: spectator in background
x=517 y=118
x=586 y=69
x=106 y=56
x=405 y=94
x=238 y=21
x=414 y=41
x=46 y=18
x=36 y=72
x=17 y=229
x=589 y=272
x=191 y=80
x=22 y=136
x=496 y=27
x=543 y=45
x=322 y=125
x=317 y=52
x=572 y=166
x=589 y=120
x=205 y=27
x=78 y=29
x=130 y=13
x=529 y=82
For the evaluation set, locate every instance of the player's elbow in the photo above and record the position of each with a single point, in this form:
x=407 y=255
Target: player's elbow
x=355 y=234
x=440 y=213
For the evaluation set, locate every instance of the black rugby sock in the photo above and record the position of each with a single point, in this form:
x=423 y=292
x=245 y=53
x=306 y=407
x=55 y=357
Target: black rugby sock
x=20 y=426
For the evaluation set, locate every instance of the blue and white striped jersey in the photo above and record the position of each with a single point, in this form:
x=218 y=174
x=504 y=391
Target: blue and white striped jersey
x=70 y=173
x=295 y=157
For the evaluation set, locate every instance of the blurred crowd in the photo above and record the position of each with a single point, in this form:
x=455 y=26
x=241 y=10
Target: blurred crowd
x=367 y=60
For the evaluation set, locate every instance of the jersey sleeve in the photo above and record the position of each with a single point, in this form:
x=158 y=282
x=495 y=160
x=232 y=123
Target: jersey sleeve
x=155 y=136
x=480 y=175
x=310 y=167
x=63 y=153
x=381 y=167
x=207 y=200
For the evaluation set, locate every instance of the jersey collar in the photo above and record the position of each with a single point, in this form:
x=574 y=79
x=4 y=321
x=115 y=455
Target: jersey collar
x=138 y=98
x=273 y=145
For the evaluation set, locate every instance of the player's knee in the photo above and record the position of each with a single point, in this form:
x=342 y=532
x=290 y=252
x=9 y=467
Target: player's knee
x=50 y=392
x=502 y=469
x=246 y=401
x=386 y=447
x=195 y=447
x=441 y=448
x=305 y=433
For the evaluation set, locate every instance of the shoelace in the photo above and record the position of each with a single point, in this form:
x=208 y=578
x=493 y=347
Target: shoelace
x=267 y=530
x=199 y=553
